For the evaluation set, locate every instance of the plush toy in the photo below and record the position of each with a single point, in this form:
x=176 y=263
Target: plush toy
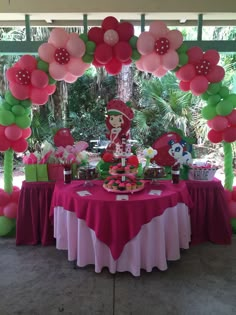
x=178 y=153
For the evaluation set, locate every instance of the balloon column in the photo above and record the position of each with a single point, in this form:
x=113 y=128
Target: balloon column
x=67 y=56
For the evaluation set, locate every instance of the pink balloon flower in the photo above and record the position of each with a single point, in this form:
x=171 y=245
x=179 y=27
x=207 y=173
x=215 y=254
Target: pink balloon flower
x=64 y=54
x=200 y=70
x=158 y=49
x=28 y=82
x=113 y=49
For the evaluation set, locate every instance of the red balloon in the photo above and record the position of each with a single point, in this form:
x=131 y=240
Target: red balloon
x=4 y=198
x=233 y=194
x=63 y=137
x=232 y=117
x=209 y=123
x=228 y=195
x=184 y=86
x=229 y=134
x=15 y=194
x=199 y=85
x=1 y=211
x=20 y=146
x=128 y=62
x=21 y=92
x=122 y=51
x=96 y=63
x=26 y=133
x=39 y=96
x=13 y=132
x=51 y=89
x=125 y=31
x=39 y=79
x=5 y=144
x=103 y=53
x=10 y=210
x=215 y=136
x=232 y=209
x=194 y=54
x=2 y=130
x=109 y=23
x=219 y=123
x=95 y=34
x=114 y=66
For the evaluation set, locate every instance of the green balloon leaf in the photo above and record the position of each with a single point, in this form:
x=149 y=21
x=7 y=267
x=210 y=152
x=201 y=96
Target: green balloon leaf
x=26 y=103
x=183 y=59
x=214 y=88
x=11 y=99
x=224 y=107
x=18 y=110
x=51 y=80
x=6 y=225
x=90 y=47
x=135 y=55
x=133 y=42
x=213 y=99
x=224 y=92
x=232 y=99
x=6 y=118
x=23 y=121
x=5 y=106
x=182 y=49
x=42 y=65
x=87 y=58
x=208 y=112
x=84 y=37
x=204 y=96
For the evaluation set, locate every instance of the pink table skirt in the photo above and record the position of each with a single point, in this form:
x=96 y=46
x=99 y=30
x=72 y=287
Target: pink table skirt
x=157 y=241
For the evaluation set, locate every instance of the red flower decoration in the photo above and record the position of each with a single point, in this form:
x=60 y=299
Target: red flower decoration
x=113 y=48
x=200 y=70
x=28 y=82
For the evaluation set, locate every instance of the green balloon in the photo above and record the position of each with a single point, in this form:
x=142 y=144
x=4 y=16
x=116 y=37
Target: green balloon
x=214 y=88
x=183 y=59
x=182 y=49
x=6 y=118
x=5 y=105
x=133 y=42
x=84 y=37
x=26 y=103
x=224 y=107
x=6 y=225
x=208 y=112
x=87 y=58
x=18 y=110
x=232 y=99
x=11 y=99
x=213 y=99
x=51 y=80
x=42 y=65
x=28 y=111
x=23 y=121
x=233 y=224
x=135 y=55
x=224 y=92
x=90 y=47
x=204 y=96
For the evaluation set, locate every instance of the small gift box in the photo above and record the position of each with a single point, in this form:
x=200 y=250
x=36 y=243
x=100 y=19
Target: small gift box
x=202 y=171
x=42 y=172
x=31 y=172
x=55 y=172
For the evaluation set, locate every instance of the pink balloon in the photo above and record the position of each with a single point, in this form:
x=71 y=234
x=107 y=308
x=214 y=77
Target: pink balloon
x=184 y=86
x=145 y=43
x=229 y=134
x=39 y=79
x=76 y=67
x=158 y=29
x=5 y=144
x=20 y=146
x=10 y=210
x=39 y=96
x=21 y=92
x=58 y=37
x=186 y=73
x=27 y=62
x=103 y=53
x=219 y=123
x=15 y=194
x=111 y=37
x=57 y=71
x=13 y=132
x=75 y=46
x=209 y=123
x=160 y=72
x=175 y=38
x=232 y=117
x=69 y=78
x=1 y=211
x=213 y=56
x=4 y=198
x=139 y=64
x=26 y=133
x=151 y=62
x=232 y=209
x=216 y=75
x=199 y=85
x=195 y=54
x=215 y=136
x=51 y=89
x=46 y=52
x=170 y=60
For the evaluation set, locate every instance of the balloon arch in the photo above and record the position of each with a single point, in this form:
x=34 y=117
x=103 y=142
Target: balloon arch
x=67 y=56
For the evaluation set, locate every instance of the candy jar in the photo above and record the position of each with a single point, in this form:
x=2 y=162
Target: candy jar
x=175 y=172
x=67 y=173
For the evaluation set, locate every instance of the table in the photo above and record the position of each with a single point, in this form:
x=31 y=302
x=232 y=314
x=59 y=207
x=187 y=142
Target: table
x=210 y=220
x=33 y=225
x=128 y=235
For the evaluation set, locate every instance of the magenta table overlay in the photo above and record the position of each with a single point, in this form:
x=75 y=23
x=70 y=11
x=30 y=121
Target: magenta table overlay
x=116 y=222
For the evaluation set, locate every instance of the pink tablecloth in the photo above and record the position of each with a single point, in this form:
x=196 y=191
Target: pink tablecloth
x=116 y=222
x=33 y=225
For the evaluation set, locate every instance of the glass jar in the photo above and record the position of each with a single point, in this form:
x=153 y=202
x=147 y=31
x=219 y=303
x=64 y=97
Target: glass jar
x=67 y=173
x=175 y=172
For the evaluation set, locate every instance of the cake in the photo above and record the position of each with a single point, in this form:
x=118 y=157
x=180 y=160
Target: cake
x=154 y=171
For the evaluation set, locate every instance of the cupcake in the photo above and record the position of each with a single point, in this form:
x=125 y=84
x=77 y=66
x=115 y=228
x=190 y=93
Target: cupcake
x=139 y=185
x=134 y=186
x=106 y=182
x=110 y=183
x=132 y=169
x=128 y=186
x=115 y=186
x=121 y=186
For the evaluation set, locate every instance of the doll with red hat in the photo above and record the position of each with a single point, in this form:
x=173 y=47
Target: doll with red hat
x=118 y=121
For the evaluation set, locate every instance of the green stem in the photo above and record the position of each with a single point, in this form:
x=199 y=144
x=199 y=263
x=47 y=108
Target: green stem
x=228 y=166
x=8 y=171
x=147 y=161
